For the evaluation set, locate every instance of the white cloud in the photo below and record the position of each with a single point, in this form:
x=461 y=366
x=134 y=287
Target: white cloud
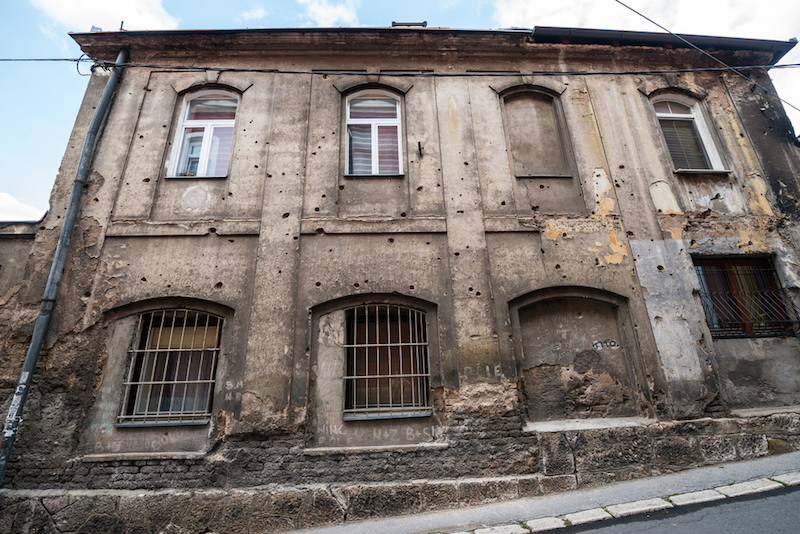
x=254 y=13
x=770 y=19
x=81 y=15
x=323 y=13
x=765 y=19
x=12 y=209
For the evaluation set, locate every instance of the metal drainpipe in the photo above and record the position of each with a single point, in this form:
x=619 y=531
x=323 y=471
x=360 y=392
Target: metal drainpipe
x=51 y=289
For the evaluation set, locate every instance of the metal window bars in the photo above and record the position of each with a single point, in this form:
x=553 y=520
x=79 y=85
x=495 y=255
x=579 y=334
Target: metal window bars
x=387 y=372
x=172 y=368
x=743 y=298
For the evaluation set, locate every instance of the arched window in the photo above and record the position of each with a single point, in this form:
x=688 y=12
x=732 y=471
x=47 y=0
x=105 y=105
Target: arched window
x=173 y=362
x=536 y=134
x=685 y=134
x=579 y=355
x=387 y=373
x=373 y=145
x=204 y=135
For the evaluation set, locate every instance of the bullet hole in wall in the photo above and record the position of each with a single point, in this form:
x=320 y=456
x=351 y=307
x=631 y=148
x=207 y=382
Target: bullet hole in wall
x=218 y=285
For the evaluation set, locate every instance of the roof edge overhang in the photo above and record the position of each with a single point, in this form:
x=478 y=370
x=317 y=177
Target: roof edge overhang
x=105 y=45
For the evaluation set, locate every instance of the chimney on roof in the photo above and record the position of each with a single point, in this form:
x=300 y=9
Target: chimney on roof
x=423 y=24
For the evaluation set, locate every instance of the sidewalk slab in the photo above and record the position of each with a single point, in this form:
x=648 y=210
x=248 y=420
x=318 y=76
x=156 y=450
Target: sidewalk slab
x=790 y=479
x=749 y=488
x=588 y=516
x=638 y=507
x=696 y=497
x=506 y=529
x=544 y=523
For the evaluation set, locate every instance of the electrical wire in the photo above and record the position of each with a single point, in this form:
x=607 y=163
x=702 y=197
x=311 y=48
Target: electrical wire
x=107 y=64
x=709 y=55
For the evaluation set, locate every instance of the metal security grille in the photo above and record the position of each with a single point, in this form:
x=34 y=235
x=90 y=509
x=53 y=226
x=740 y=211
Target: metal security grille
x=387 y=372
x=173 y=362
x=742 y=297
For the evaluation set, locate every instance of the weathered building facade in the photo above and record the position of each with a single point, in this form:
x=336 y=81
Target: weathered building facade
x=321 y=275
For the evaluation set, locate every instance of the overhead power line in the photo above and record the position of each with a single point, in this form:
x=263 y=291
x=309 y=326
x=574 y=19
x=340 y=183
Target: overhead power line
x=725 y=67
x=106 y=64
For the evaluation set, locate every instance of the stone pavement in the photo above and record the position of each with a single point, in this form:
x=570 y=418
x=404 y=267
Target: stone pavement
x=621 y=499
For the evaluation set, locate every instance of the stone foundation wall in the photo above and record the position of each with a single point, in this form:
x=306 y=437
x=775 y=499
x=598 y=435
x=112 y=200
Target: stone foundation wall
x=245 y=486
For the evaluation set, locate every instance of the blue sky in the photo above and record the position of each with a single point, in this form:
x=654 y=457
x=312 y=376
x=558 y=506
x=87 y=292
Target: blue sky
x=42 y=99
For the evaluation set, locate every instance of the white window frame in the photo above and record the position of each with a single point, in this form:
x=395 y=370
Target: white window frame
x=375 y=124
x=700 y=126
x=208 y=127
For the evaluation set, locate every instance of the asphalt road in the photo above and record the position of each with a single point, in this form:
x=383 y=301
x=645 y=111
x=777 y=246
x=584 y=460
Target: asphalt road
x=774 y=512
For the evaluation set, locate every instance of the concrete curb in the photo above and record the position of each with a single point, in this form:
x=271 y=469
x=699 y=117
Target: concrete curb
x=543 y=524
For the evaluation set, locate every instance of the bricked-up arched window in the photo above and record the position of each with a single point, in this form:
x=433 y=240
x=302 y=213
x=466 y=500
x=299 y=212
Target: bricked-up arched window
x=204 y=135
x=373 y=145
x=172 y=369
x=387 y=371
x=536 y=133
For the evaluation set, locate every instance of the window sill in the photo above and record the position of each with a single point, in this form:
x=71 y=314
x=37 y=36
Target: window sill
x=133 y=456
x=150 y=424
x=374 y=176
x=381 y=416
x=196 y=177
x=414 y=447
x=544 y=176
x=703 y=172
x=565 y=425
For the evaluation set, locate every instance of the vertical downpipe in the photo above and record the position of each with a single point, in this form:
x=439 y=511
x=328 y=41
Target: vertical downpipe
x=56 y=269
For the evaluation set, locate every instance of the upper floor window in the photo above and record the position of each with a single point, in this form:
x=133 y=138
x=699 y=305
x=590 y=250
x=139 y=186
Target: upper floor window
x=173 y=362
x=743 y=297
x=204 y=135
x=387 y=372
x=686 y=135
x=536 y=135
x=373 y=144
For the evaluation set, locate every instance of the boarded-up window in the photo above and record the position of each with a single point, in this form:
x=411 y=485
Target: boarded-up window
x=535 y=135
